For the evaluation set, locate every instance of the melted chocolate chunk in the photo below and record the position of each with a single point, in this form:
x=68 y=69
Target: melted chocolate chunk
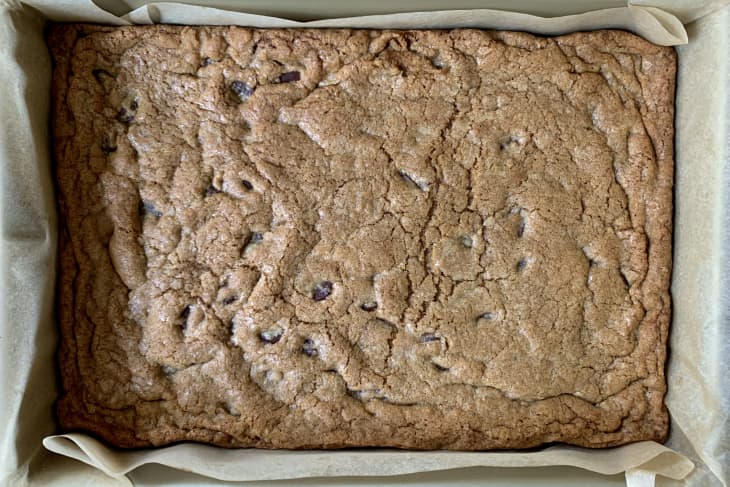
x=271 y=336
x=241 y=90
x=429 y=337
x=322 y=290
x=369 y=306
x=108 y=146
x=127 y=113
x=289 y=76
x=309 y=348
x=440 y=368
x=147 y=208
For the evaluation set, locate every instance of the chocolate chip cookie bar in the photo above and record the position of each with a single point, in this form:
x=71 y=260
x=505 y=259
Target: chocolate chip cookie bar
x=349 y=238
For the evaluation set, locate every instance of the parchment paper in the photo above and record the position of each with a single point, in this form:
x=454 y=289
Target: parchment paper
x=699 y=349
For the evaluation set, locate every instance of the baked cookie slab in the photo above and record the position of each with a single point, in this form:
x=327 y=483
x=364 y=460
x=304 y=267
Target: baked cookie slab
x=345 y=238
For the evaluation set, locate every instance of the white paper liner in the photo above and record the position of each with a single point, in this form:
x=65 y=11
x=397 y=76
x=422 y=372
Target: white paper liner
x=696 y=401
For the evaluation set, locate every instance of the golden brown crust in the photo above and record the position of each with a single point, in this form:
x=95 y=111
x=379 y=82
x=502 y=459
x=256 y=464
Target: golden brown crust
x=323 y=239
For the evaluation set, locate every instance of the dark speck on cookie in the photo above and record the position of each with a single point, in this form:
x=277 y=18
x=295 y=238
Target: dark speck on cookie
x=289 y=76
x=322 y=290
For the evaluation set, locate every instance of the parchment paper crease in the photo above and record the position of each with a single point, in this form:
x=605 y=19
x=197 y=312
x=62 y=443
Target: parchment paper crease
x=699 y=345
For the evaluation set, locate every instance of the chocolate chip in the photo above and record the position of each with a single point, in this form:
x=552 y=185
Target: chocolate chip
x=229 y=300
x=406 y=177
x=466 y=241
x=429 y=337
x=322 y=290
x=510 y=142
x=241 y=89
x=409 y=179
x=289 y=76
x=167 y=370
x=309 y=348
x=271 y=336
x=102 y=76
x=247 y=184
x=521 y=264
x=440 y=368
x=521 y=229
x=145 y=207
x=369 y=306
x=355 y=394
x=206 y=61
x=254 y=238
x=108 y=146
x=127 y=114
x=185 y=313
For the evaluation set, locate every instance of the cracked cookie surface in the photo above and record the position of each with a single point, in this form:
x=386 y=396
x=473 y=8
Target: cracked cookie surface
x=329 y=238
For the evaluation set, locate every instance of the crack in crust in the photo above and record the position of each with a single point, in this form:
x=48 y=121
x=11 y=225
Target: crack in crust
x=319 y=239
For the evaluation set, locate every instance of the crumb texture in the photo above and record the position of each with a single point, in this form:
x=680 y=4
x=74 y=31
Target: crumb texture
x=329 y=238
